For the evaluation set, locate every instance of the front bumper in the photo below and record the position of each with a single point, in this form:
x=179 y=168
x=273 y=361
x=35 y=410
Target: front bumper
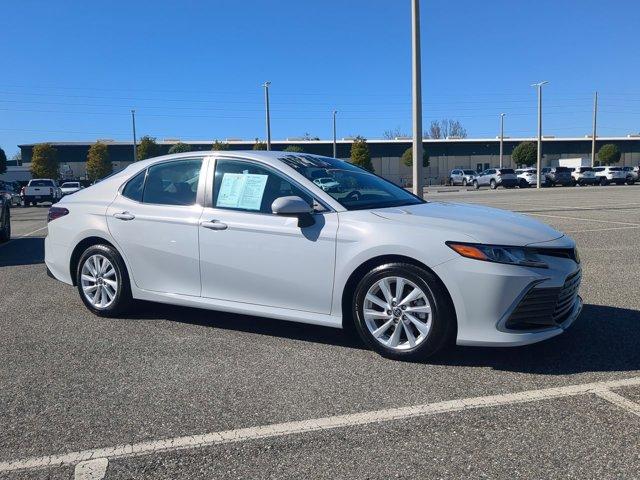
x=485 y=296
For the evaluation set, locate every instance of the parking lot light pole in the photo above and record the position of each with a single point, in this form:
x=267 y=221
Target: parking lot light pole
x=268 y=116
x=594 y=133
x=335 y=146
x=135 y=146
x=417 y=98
x=501 y=137
x=539 y=160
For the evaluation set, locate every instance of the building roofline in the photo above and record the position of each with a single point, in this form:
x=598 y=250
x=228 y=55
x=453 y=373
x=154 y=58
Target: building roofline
x=348 y=141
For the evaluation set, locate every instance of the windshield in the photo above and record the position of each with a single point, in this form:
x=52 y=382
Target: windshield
x=355 y=189
x=70 y=185
x=41 y=183
x=470 y=172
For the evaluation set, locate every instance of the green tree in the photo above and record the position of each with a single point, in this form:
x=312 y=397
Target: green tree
x=609 y=154
x=3 y=161
x=180 y=148
x=220 y=146
x=44 y=161
x=294 y=149
x=259 y=145
x=360 y=155
x=148 y=148
x=526 y=153
x=407 y=157
x=98 y=162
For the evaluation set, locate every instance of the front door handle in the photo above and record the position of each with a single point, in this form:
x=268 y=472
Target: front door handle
x=214 y=225
x=124 y=216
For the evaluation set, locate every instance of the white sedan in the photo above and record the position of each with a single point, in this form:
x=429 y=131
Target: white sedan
x=251 y=233
x=70 y=187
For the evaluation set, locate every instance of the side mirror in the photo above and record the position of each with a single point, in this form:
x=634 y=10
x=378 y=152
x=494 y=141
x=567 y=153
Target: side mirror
x=294 y=206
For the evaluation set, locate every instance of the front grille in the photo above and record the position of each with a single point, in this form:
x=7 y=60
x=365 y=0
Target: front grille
x=545 y=307
x=569 y=253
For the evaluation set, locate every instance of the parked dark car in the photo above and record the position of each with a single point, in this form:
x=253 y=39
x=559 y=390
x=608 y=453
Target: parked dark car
x=558 y=176
x=5 y=220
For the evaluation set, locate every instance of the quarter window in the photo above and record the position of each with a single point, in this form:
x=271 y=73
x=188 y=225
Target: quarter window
x=172 y=183
x=133 y=189
x=240 y=185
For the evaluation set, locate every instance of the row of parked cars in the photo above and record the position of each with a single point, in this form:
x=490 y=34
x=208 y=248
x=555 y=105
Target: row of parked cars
x=36 y=191
x=550 y=176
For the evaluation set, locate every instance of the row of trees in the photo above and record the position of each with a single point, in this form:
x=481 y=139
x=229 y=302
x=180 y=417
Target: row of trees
x=526 y=154
x=447 y=127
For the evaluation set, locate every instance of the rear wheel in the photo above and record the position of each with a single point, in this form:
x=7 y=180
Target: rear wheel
x=493 y=184
x=103 y=282
x=603 y=181
x=476 y=185
x=464 y=182
x=402 y=312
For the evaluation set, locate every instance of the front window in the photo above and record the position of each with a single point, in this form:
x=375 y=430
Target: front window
x=41 y=183
x=354 y=188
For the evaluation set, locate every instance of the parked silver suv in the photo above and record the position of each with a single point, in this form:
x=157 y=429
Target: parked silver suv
x=632 y=174
x=462 y=177
x=495 y=177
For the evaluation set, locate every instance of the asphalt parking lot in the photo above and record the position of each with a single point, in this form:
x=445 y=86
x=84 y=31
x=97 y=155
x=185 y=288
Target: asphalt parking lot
x=172 y=392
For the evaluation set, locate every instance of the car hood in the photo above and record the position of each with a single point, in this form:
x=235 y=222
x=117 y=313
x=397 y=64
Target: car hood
x=484 y=224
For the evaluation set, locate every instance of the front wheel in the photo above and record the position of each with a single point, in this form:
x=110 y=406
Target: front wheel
x=103 y=282
x=476 y=185
x=493 y=185
x=402 y=312
x=464 y=182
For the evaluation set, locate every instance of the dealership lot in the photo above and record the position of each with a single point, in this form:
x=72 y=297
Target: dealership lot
x=176 y=385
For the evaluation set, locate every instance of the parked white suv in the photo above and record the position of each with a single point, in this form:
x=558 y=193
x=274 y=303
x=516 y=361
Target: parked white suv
x=584 y=176
x=526 y=177
x=607 y=175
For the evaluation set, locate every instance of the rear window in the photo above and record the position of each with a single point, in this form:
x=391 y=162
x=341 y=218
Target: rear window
x=585 y=169
x=506 y=170
x=615 y=169
x=562 y=169
x=41 y=183
x=470 y=172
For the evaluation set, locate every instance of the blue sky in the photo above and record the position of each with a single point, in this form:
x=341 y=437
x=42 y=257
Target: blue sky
x=72 y=70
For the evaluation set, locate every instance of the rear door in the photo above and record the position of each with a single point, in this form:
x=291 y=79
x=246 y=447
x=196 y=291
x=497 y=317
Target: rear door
x=155 y=221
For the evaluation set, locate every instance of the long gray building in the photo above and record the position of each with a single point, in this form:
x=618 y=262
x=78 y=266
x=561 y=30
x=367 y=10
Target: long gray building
x=446 y=154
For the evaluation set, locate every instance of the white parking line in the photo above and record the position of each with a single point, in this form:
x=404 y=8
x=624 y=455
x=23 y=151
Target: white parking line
x=584 y=219
x=620 y=401
x=310 y=425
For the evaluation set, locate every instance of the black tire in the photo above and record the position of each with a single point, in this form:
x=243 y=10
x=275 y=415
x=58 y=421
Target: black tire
x=476 y=185
x=603 y=182
x=492 y=184
x=123 y=299
x=443 y=329
x=451 y=182
x=5 y=229
x=631 y=182
x=464 y=182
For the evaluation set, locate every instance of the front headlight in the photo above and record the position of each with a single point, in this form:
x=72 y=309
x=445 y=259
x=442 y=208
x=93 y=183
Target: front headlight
x=498 y=254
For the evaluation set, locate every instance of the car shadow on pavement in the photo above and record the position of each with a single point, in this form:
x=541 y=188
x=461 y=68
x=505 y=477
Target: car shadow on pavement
x=246 y=324
x=603 y=339
x=22 y=251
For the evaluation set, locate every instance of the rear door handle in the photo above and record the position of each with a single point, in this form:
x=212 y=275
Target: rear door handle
x=214 y=225
x=124 y=216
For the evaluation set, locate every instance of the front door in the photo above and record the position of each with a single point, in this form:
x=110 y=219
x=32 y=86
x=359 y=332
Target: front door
x=155 y=222
x=250 y=255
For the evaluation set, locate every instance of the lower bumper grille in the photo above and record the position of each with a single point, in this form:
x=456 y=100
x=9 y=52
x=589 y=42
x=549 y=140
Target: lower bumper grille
x=545 y=307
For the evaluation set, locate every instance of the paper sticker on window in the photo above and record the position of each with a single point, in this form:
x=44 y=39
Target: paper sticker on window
x=241 y=190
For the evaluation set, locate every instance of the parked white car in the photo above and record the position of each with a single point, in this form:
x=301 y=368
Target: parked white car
x=584 y=176
x=527 y=177
x=68 y=188
x=251 y=233
x=326 y=183
x=607 y=175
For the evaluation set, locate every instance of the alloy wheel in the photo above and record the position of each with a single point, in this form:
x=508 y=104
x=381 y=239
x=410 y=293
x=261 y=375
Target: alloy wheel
x=397 y=313
x=99 y=281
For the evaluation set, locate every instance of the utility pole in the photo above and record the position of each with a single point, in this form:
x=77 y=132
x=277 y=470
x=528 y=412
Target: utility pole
x=335 y=146
x=501 y=137
x=539 y=161
x=593 y=135
x=135 y=145
x=417 y=98
x=266 y=102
